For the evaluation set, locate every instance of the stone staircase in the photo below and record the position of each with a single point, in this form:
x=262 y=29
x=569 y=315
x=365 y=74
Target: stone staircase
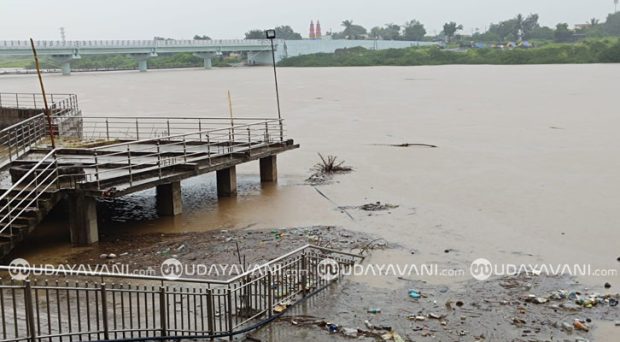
x=23 y=215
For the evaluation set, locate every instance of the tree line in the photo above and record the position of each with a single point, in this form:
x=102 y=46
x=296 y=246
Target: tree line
x=514 y=29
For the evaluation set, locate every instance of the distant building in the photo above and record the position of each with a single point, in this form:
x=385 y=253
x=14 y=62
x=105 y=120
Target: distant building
x=581 y=27
x=311 y=35
x=317 y=31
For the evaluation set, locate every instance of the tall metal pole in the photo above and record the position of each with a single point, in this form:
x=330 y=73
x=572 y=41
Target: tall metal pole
x=47 y=110
x=275 y=75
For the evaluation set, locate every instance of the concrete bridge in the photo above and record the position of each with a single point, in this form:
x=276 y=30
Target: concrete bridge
x=109 y=157
x=258 y=50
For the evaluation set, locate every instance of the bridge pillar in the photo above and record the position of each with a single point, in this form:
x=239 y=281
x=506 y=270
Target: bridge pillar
x=207 y=56
x=83 y=219
x=65 y=61
x=268 y=169
x=143 y=60
x=227 y=182
x=169 y=199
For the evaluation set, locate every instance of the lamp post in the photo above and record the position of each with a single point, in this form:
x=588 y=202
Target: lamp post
x=271 y=35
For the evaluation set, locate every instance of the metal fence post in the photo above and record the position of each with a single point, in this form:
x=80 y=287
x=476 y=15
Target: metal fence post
x=159 y=159
x=281 y=131
x=32 y=335
x=304 y=274
x=184 y=150
x=107 y=129
x=97 y=171
x=230 y=312
x=210 y=312
x=137 y=131
x=270 y=292
x=129 y=164
x=104 y=312
x=162 y=310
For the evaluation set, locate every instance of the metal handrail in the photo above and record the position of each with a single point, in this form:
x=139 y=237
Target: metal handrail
x=70 y=272
x=41 y=182
x=169 y=137
x=172 y=309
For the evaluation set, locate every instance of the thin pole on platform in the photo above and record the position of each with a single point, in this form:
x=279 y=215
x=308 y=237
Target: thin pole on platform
x=232 y=122
x=230 y=109
x=47 y=110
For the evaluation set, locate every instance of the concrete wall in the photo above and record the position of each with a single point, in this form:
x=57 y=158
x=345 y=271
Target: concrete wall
x=292 y=48
x=11 y=116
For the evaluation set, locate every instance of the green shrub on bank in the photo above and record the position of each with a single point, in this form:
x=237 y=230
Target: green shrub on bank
x=600 y=51
x=124 y=62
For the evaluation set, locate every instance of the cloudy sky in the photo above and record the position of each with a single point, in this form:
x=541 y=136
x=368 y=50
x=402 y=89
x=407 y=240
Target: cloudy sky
x=144 y=19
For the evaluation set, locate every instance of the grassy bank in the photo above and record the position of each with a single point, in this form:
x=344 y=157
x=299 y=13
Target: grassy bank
x=120 y=62
x=599 y=51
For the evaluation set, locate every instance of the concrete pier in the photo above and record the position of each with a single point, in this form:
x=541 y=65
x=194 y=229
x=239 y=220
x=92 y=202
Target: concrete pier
x=207 y=57
x=227 y=182
x=269 y=169
x=83 y=219
x=65 y=62
x=143 y=60
x=169 y=200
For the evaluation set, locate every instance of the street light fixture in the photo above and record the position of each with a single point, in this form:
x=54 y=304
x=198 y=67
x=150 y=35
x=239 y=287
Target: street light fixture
x=271 y=35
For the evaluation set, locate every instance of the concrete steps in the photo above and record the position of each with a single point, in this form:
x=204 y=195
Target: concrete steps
x=30 y=215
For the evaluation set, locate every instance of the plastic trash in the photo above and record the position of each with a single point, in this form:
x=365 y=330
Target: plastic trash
x=374 y=310
x=351 y=332
x=332 y=328
x=415 y=294
x=580 y=326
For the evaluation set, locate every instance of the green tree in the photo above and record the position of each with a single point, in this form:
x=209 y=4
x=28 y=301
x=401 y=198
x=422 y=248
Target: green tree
x=414 y=30
x=286 y=32
x=255 y=34
x=199 y=37
x=392 y=32
x=562 y=33
x=376 y=33
x=529 y=25
x=612 y=25
x=450 y=29
x=352 y=31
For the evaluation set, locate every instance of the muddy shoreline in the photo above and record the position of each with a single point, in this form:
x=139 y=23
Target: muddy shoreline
x=512 y=308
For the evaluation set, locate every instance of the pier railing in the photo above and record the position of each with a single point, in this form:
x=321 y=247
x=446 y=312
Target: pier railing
x=19 y=138
x=125 y=128
x=59 y=104
x=134 y=158
x=86 y=306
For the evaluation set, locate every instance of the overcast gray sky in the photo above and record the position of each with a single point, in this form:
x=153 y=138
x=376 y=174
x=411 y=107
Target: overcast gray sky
x=143 y=19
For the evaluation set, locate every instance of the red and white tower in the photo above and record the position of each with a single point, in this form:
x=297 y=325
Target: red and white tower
x=311 y=35
x=317 y=31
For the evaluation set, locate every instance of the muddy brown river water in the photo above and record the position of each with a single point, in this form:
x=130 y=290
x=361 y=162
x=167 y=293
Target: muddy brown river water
x=527 y=168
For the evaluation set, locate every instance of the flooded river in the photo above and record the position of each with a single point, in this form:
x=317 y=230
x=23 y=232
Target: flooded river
x=527 y=167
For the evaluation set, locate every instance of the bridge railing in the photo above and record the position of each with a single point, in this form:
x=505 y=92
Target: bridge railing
x=106 y=306
x=57 y=44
